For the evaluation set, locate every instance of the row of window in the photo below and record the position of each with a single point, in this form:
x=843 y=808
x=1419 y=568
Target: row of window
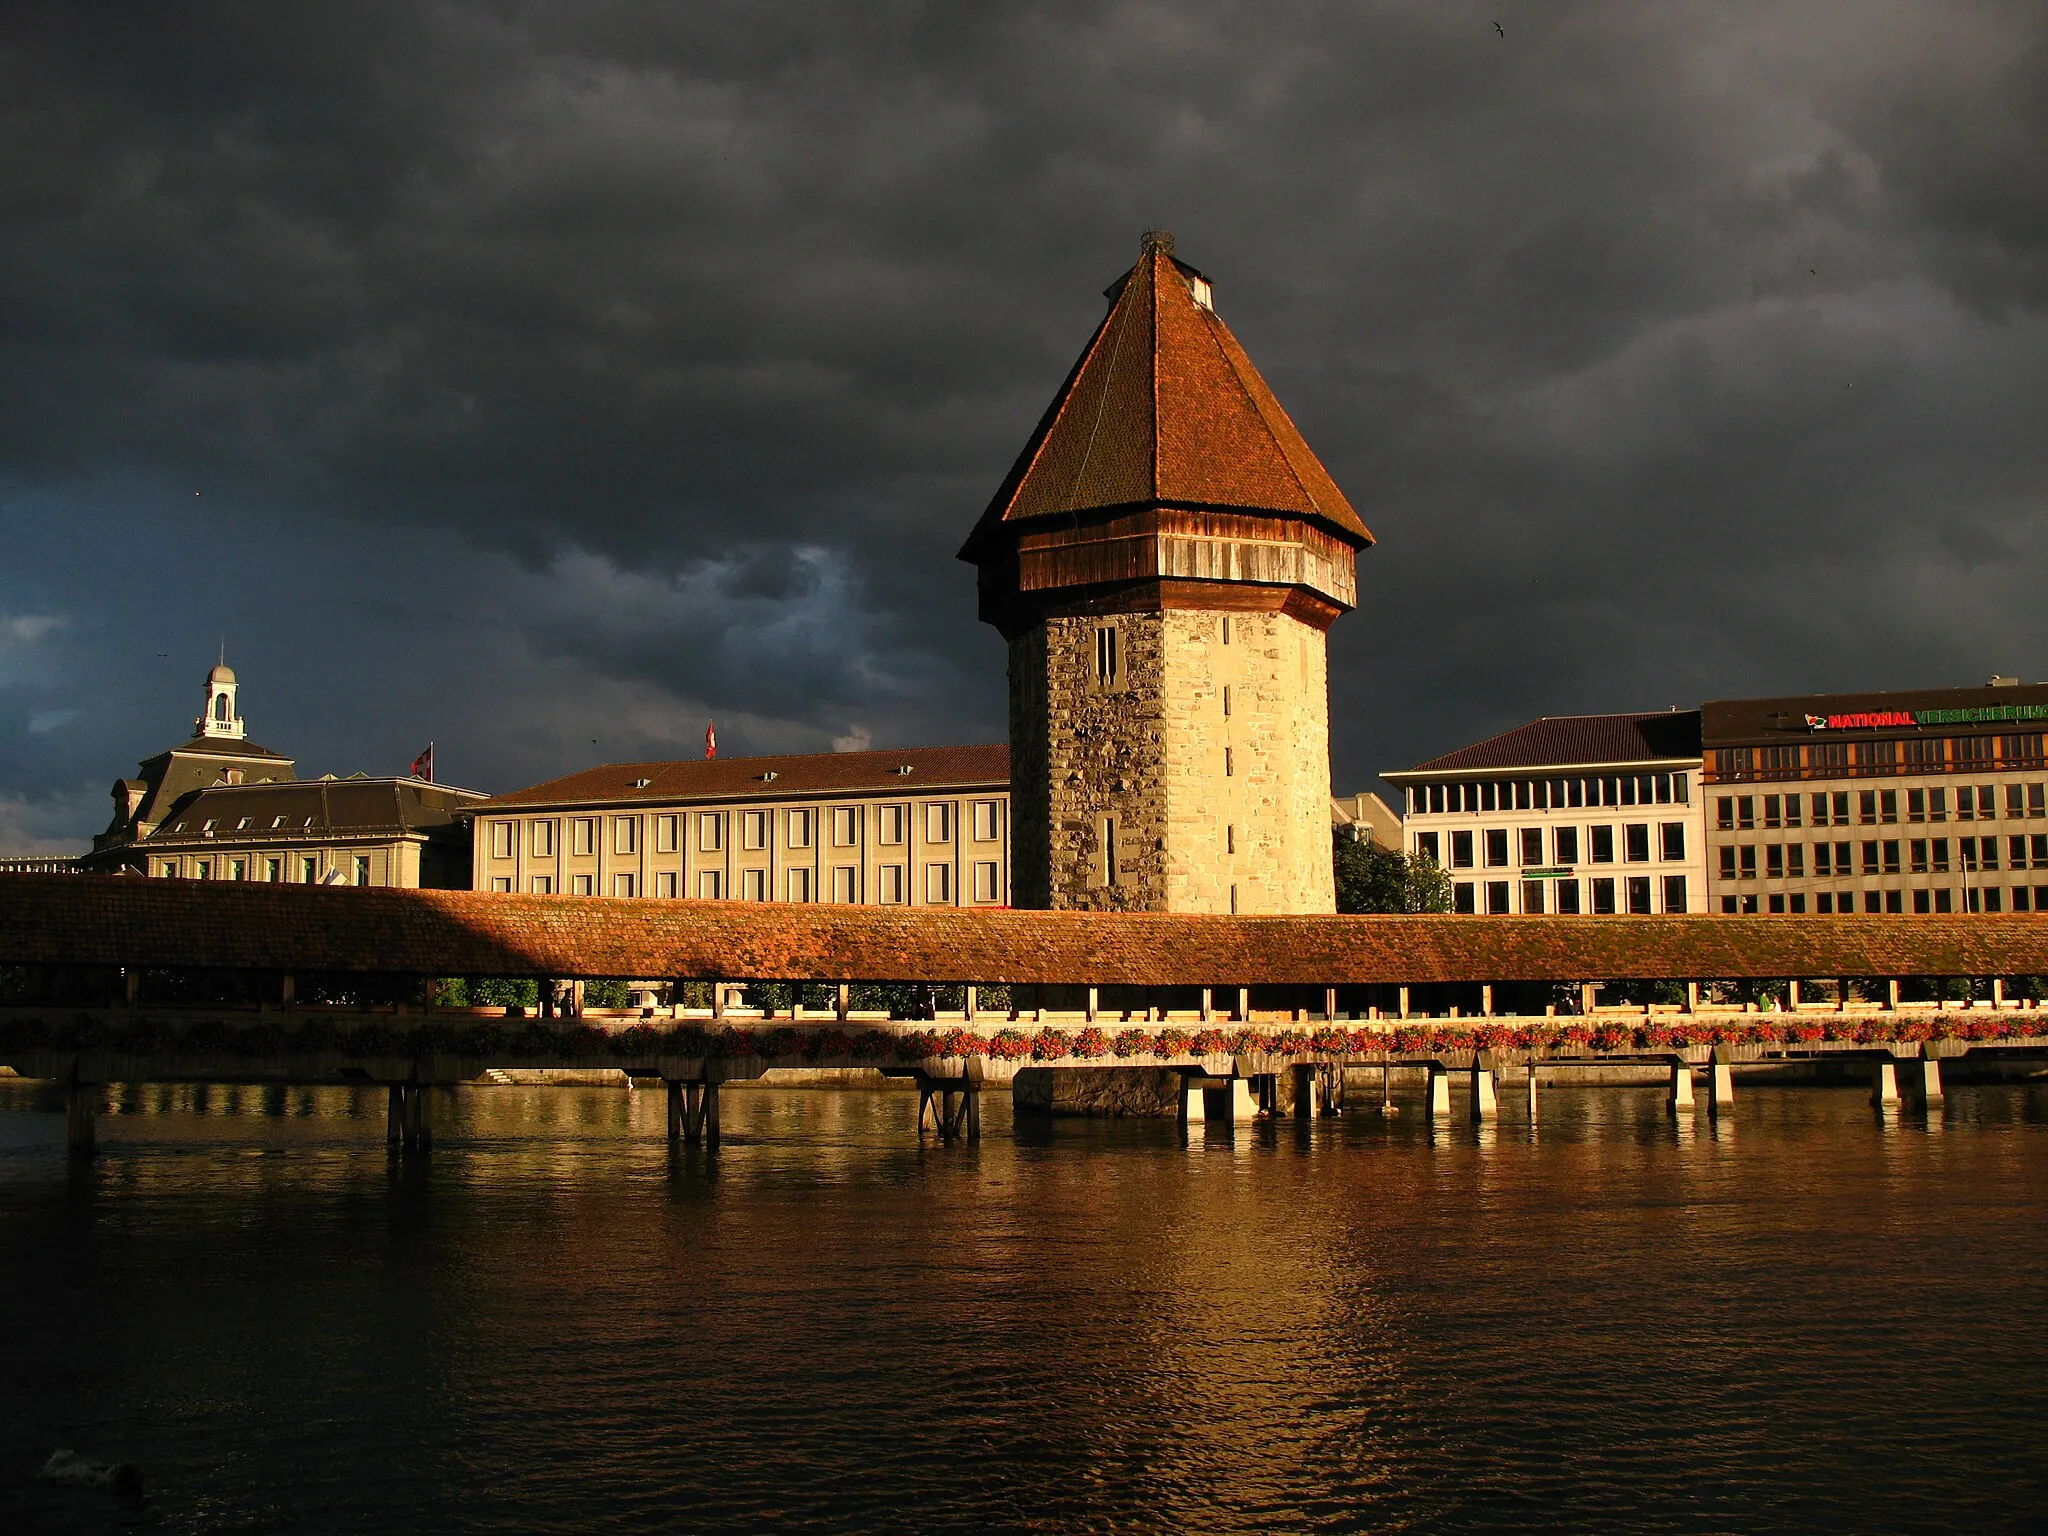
x=275 y=869
x=1478 y=796
x=1914 y=754
x=800 y=829
x=891 y=884
x=1922 y=856
x=1501 y=847
x=1977 y=802
x=1605 y=897
x=1989 y=898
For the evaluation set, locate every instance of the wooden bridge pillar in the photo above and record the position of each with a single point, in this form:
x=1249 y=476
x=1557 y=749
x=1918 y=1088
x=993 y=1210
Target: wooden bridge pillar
x=1486 y=1000
x=1891 y=995
x=951 y=1106
x=1529 y=1090
x=1692 y=997
x=394 y=1114
x=1305 y=1086
x=674 y=1086
x=81 y=1117
x=1404 y=1002
x=1680 y=1096
x=1998 y=991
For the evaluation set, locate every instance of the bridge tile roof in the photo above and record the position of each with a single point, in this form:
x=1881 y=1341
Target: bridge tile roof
x=112 y=920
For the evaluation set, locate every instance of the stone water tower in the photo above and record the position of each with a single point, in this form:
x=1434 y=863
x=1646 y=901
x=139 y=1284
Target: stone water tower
x=1165 y=558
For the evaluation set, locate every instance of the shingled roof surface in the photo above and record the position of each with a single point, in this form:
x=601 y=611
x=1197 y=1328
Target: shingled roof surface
x=738 y=778
x=1164 y=407
x=1558 y=741
x=114 y=920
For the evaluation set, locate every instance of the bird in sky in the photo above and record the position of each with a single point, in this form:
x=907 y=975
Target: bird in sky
x=1503 y=31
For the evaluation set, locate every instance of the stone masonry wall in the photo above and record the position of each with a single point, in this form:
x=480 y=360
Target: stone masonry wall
x=1151 y=754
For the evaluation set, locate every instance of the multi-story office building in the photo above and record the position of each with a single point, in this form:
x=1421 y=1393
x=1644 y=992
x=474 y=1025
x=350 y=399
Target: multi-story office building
x=925 y=826
x=1933 y=801
x=1592 y=814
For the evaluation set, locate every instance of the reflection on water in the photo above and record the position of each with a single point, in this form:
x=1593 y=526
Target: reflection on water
x=1809 y=1316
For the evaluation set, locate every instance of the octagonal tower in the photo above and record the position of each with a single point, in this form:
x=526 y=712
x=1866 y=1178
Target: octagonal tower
x=1165 y=559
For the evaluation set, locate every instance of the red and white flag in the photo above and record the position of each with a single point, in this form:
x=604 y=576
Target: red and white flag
x=711 y=738
x=423 y=765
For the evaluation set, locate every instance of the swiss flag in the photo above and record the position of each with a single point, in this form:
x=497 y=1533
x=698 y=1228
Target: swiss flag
x=711 y=738
x=423 y=765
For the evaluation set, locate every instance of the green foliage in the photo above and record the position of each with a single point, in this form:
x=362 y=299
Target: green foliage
x=1371 y=878
x=607 y=994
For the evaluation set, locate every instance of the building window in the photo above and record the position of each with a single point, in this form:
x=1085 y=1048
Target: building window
x=1532 y=896
x=1916 y=805
x=1461 y=850
x=800 y=830
x=1916 y=854
x=583 y=835
x=622 y=885
x=846 y=885
x=1496 y=898
x=1774 y=808
x=891 y=821
x=1674 y=893
x=501 y=839
x=1671 y=835
x=1105 y=851
x=667 y=834
x=1870 y=863
x=2037 y=797
x=1603 y=898
x=167 y=869
x=1724 y=813
x=543 y=839
x=1823 y=864
x=1639 y=895
x=238 y=869
x=1602 y=839
x=753 y=885
x=1745 y=811
x=1226 y=629
x=988 y=881
x=889 y=882
x=1891 y=858
x=988 y=824
x=362 y=869
x=668 y=885
x=1461 y=898
x=581 y=885
x=2015 y=805
x=501 y=883
x=1567 y=898
x=1921 y=903
x=1727 y=861
x=796 y=884
x=1230 y=837
x=1774 y=861
x=845 y=826
x=1108 y=658
x=710 y=884
x=309 y=871
x=1966 y=803
x=1795 y=860
x=543 y=885
x=1427 y=845
x=1747 y=853
x=1888 y=805
x=938 y=884
x=1636 y=841
x=1566 y=843
x=1866 y=807
x=1229 y=763
x=711 y=831
x=273 y=871
x=754 y=830
x=1532 y=851
x=1937 y=805
x=938 y=823
x=625 y=834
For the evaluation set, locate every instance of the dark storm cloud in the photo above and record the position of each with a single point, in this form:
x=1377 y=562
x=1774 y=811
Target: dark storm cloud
x=553 y=373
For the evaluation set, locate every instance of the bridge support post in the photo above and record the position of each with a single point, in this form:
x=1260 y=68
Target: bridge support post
x=1529 y=1089
x=1692 y=997
x=1924 y=1076
x=675 y=1110
x=394 y=1115
x=1486 y=1000
x=1680 y=1096
x=1438 y=1103
x=1891 y=995
x=1404 y=1002
x=81 y=1117
x=1485 y=1097
x=419 y=1124
x=1306 y=1091
x=1884 y=1087
x=1720 y=1083
x=1194 y=1103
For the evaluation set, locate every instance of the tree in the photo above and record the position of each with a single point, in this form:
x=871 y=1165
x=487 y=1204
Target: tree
x=1371 y=878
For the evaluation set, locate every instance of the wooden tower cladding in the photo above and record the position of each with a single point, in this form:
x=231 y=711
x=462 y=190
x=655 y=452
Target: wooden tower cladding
x=1165 y=559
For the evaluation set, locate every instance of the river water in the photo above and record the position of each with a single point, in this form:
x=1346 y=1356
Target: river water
x=1809 y=1317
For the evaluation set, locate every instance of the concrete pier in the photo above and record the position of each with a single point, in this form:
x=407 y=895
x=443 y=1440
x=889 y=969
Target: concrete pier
x=1884 y=1088
x=1485 y=1095
x=1529 y=1090
x=1680 y=1097
x=1308 y=1096
x=1438 y=1102
x=1923 y=1078
x=1720 y=1086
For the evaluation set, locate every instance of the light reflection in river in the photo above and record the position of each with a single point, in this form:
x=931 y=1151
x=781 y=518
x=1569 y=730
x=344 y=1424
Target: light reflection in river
x=1808 y=1315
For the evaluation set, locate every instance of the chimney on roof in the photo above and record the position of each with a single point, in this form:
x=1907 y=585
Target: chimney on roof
x=2003 y=682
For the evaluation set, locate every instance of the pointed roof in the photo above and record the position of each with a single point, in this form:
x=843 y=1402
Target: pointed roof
x=1164 y=406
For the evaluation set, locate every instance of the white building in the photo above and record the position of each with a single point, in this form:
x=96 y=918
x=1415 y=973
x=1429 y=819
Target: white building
x=1594 y=814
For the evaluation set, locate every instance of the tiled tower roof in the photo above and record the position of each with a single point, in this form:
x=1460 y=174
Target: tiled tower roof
x=1165 y=408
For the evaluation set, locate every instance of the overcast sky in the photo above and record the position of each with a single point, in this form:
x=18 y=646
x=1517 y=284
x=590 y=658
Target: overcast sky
x=543 y=380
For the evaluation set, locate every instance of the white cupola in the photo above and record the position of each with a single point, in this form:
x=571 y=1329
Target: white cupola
x=219 y=719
